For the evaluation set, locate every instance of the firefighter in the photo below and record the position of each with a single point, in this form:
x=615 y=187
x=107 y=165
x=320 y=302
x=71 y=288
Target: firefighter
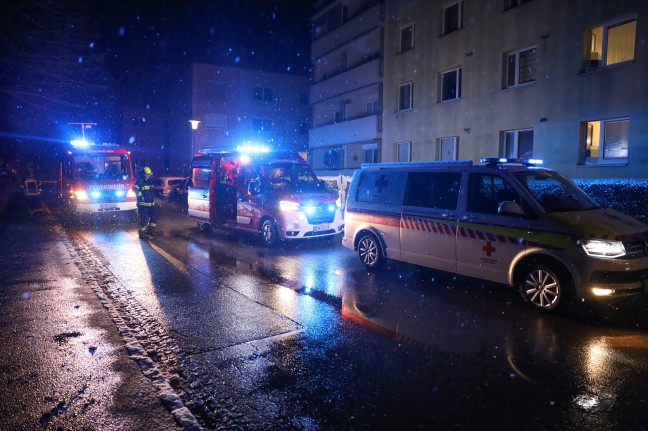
x=145 y=193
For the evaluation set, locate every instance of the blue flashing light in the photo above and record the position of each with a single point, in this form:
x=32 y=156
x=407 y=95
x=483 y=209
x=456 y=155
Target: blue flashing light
x=251 y=148
x=120 y=193
x=96 y=194
x=80 y=143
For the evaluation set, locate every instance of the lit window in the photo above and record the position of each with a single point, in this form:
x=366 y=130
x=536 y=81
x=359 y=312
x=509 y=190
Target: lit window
x=451 y=85
x=517 y=144
x=452 y=17
x=521 y=67
x=407 y=38
x=611 y=44
x=605 y=141
x=404 y=151
x=405 y=101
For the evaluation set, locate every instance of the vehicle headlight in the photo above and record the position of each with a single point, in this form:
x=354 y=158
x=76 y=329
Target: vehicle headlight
x=603 y=248
x=81 y=195
x=130 y=194
x=288 y=206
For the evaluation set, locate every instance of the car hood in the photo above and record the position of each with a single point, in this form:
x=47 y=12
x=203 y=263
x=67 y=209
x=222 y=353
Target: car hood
x=323 y=196
x=603 y=223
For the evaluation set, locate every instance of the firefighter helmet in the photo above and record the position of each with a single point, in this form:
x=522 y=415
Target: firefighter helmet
x=146 y=170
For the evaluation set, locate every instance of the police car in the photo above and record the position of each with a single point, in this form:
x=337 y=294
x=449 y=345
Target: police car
x=503 y=220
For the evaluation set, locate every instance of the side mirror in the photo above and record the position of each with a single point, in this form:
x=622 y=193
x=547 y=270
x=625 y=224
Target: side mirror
x=510 y=208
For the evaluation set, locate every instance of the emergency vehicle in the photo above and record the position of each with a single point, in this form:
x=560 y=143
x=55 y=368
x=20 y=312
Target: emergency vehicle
x=506 y=221
x=274 y=194
x=97 y=179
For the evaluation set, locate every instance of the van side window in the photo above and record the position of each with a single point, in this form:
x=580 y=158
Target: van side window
x=382 y=187
x=200 y=177
x=437 y=190
x=487 y=191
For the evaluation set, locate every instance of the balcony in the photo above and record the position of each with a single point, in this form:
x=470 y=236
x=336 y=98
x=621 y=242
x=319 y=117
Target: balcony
x=357 y=130
x=358 y=77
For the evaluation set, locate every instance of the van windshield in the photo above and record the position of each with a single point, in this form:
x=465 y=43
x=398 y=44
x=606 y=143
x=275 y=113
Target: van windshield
x=554 y=192
x=288 y=176
x=93 y=167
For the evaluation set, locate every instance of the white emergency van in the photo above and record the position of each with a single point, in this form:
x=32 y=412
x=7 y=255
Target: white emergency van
x=503 y=220
x=274 y=194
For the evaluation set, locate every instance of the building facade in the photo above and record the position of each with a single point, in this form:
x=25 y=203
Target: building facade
x=346 y=93
x=547 y=79
x=236 y=107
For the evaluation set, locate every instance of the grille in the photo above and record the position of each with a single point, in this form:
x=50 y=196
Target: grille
x=635 y=249
x=320 y=215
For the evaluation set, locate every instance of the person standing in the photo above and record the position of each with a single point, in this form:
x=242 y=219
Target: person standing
x=342 y=184
x=145 y=193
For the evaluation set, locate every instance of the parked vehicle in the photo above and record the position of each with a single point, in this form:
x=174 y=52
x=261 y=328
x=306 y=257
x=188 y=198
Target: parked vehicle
x=273 y=194
x=506 y=221
x=165 y=185
x=97 y=179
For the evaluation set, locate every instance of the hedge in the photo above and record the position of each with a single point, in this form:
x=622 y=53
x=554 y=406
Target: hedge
x=628 y=196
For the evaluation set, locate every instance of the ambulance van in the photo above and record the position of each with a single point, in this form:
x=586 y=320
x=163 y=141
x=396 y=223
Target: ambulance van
x=274 y=194
x=506 y=221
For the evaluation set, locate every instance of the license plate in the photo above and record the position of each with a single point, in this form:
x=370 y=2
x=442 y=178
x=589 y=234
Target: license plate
x=320 y=227
x=108 y=207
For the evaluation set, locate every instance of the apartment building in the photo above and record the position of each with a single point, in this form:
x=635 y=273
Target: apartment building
x=234 y=107
x=346 y=93
x=561 y=81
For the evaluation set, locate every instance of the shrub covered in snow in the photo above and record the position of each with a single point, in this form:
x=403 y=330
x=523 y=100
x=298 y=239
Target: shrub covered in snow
x=628 y=196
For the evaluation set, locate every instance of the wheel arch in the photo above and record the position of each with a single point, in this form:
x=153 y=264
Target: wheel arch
x=530 y=259
x=375 y=233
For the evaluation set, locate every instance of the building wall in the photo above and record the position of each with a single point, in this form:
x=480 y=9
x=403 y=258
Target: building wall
x=239 y=106
x=346 y=94
x=556 y=106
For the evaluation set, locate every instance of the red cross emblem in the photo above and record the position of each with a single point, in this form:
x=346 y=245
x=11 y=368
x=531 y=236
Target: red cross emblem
x=488 y=248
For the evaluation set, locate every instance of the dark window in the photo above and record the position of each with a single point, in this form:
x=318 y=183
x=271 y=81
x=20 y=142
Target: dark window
x=382 y=187
x=451 y=85
x=452 y=19
x=407 y=38
x=487 y=191
x=437 y=190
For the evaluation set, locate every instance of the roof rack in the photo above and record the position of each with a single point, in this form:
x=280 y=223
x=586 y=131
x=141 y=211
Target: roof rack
x=421 y=164
x=497 y=161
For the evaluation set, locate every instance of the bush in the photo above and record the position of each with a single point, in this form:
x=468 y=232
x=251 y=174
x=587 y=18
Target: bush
x=628 y=196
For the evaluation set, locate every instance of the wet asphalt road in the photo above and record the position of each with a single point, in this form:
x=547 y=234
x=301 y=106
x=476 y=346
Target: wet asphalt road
x=302 y=337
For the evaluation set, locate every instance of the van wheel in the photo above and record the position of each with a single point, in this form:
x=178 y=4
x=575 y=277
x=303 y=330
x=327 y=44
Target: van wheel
x=269 y=233
x=369 y=251
x=544 y=286
x=204 y=227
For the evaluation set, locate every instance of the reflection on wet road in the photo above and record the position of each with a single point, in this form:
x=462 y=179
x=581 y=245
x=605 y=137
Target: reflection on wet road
x=335 y=346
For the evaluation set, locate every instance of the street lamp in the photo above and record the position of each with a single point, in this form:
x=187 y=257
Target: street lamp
x=194 y=127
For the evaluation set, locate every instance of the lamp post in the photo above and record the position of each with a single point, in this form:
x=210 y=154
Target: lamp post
x=194 y=127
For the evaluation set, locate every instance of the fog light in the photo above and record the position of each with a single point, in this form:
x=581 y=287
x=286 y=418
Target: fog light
x=602 y=292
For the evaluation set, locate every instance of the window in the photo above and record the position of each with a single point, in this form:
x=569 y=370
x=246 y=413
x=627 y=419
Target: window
x=451 y=85
x=382 y=187
x=509 y=4
x=517 y=144
x=261 y=125
x=370 y=153
x=405 y=101
x=407 y=38
x=437 y=190
x=521 y=67
x=487 y=191
x=373 y=107
x=605 y=141
x=404 y=151
x=611 y=44
x=448 y=148
x=452 y=17
x=260 y=93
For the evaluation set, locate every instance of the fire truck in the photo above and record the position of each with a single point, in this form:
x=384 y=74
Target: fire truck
x=97 y=179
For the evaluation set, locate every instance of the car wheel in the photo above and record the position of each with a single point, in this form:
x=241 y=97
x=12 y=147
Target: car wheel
x=544 y=286
x=369 y=251
x=269 y=233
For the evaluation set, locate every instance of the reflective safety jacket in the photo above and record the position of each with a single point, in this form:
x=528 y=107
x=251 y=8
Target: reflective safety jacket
x=144 y=191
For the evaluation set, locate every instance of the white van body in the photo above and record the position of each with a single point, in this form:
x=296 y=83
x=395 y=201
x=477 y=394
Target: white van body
x=504 y=221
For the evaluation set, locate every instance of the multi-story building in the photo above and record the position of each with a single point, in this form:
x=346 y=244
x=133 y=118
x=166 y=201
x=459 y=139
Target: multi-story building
x=346 y=93
x=562 y=81
x=238 y=107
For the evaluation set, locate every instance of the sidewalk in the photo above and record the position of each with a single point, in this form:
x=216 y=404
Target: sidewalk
x=63 y=363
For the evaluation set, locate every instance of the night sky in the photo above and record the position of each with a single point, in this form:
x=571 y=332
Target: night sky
x=117 y=53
